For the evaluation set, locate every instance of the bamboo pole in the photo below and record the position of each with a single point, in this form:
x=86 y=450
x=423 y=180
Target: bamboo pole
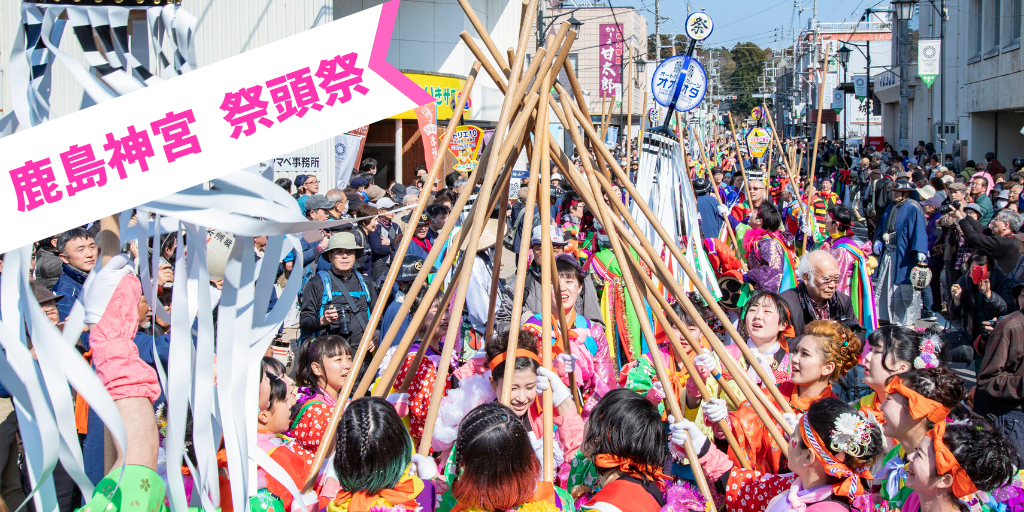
x=728 y=225
x=547 y=411
x=476 y=228
x=389 y=281
x=628 y=125
x=817 y=135
x=564 y=328
x=424 y=340
x=485 y=37
x=677 y=253
x=499 y=246
x=739 y=160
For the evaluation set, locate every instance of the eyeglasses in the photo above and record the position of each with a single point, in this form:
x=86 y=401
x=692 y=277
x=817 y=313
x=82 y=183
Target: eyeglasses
x=51 y=311
x=824 y=281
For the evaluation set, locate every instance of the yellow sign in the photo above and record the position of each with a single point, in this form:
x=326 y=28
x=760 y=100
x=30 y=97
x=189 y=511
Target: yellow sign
x=445 y=89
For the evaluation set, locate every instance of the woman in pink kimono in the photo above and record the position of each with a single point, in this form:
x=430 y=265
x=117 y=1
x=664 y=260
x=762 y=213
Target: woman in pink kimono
x=855 y=263
x=594 y=372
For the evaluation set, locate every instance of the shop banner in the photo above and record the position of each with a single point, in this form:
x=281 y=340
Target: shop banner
x=426 y=118
x=465 y=146
x=610 y=59
x=201 y=125
x=758 y=141
x=929 y=53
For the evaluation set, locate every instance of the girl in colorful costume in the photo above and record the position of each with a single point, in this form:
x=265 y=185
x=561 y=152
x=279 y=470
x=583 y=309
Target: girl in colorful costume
x=893 y=350
x=494 y=468
x=595 y=375
x=854 y=258
x=374 y=468
x=830 y=448
x=827 y=350
x=771 y=263
x=324 y=363
x=955 y=461
x=273 y=422
x=917 y=400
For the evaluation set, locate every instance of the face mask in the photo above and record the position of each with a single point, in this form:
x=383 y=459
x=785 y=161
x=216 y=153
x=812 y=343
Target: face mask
x=1001 y=204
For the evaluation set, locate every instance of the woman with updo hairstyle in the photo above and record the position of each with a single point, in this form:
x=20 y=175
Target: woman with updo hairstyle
x=825 y=353
x=372 y=462
x=494 y=468
x=626 y=441
x=916 y=400
x=892 y=350
x=851 y=254
x=830 y=450
x=956 y=460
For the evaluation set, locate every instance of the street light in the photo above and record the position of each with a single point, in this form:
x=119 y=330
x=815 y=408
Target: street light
x=575 y=24
x=903 y=9
x=844 y=55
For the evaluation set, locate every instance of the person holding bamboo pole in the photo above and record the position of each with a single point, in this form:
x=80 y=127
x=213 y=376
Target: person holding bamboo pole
x=590 y=360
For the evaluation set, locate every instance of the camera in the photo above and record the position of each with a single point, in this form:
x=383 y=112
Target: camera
x=948 y=206
x=344 y=324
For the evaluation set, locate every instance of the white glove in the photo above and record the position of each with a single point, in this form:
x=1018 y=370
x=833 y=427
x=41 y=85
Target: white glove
x=422 y=466
x=100 y=286
x=921 y=258
x=877 y=248
x=706 y=360
x=538 y=450
x=886 y=238
x=568 y=360
x=806 y=229
x=791 y=419
x=723 y=209
x=681 y=428
x=549 y=379
x=715 y=410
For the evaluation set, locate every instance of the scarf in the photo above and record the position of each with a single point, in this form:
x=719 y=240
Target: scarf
x=945 y=463
x=920 y=406
x=797 y=498
x=641 y=472
x=849 y=480
x=424 y=244
x=403 y=494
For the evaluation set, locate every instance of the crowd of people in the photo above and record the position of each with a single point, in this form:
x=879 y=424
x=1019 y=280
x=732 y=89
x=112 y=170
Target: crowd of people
x=879 y=422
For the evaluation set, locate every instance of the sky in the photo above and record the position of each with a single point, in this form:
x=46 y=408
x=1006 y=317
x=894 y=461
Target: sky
x=768 y=23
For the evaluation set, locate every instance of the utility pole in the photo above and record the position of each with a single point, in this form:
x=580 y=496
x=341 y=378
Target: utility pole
x=657 y=32
x=902 y=55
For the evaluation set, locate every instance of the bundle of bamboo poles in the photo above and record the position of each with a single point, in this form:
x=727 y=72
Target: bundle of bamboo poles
x=523 y=125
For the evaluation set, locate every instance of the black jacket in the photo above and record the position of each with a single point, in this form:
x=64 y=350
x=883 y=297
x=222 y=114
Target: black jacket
x=1003 y=249
x=312 y=296
x=840 y=307
x=974 y=308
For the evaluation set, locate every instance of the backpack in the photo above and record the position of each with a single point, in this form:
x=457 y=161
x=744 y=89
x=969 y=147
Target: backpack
x=851 y=387
x=329 y=294
x=510 y=234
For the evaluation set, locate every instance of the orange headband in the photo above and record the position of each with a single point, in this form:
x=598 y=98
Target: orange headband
x=920 y=406
x=630 y=467
x=848 y=484
x=500 y=358
x=945 y=463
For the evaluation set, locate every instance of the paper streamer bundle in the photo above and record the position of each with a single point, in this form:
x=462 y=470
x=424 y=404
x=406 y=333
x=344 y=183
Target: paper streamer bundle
x=102 y=33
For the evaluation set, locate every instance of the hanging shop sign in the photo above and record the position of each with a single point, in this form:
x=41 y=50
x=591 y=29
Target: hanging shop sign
x=758 y=140
x=465 y=146
x=929 y=54
x=838 y=100
x=663 y=83
x=610 y=59
x=860 y=86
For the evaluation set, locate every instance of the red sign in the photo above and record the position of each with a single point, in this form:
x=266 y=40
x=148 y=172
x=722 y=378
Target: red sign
x=426 y=117
x=876 y=143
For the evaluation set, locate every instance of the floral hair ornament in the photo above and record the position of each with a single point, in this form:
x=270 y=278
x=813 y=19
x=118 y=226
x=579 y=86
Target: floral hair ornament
x=946 y=463
x=920 y=406
x=849 y=480
x=851 y=434
x=929 y=357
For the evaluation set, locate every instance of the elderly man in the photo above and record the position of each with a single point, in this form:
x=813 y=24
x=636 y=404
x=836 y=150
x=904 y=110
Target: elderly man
x=901 y=243
x=817 y=296
x=337 y=300
x=340 y=201
x=998 y=241
x=979 y=195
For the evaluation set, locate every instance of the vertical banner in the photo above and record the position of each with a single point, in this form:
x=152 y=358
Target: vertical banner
x=347 y=148
x=860 y=86
x=838 y=100
x=426 y=118
x=610 y=59
x=360 y=132
x=929 y=53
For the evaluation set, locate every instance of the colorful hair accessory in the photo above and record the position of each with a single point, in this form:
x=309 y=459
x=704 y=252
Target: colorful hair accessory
x=849 y=480
x=851 y=434
x=930 y=348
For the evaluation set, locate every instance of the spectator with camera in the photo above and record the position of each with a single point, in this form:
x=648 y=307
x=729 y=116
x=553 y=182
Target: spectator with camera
x=997 y=240
x=337 y=300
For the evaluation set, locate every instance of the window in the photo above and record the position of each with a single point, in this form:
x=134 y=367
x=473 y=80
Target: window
x=1015 y=19
x=997 y=10
x=976 y=26
x=574 y=58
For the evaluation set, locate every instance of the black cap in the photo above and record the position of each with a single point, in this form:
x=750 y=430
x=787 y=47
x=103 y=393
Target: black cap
x=903 y=186
x=702 y=186
x=918 y=176
x=411 y=266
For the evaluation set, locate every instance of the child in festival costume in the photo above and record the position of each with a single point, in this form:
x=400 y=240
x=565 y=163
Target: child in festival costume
x=956 y=460
x=595 y=375
x=917 y=400
x=626 y=441
x=494 y=467
x=894 y=350
x=272 y=424
x=323 y=364
x=771 y=264
x=768 y=323
x=827 y=350
x=422 y=386
x=830 y=448
x=854 y=258
x=374 y=464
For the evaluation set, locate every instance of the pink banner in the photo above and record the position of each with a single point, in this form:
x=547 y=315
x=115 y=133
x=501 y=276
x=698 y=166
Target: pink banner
x=610 y=40
x=426 y=117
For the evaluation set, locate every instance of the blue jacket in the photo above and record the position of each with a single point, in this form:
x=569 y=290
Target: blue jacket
x=910 y=237
x=69 y=284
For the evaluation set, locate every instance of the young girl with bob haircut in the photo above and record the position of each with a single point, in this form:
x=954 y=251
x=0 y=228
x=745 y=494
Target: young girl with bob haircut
x=917 y=400
x=826 y=352
x=956 y=460
x=372 y=462
x=830 y=450
x=626 y=441
x=494 y=467
x=590 y=359
x=893 y=350
x=323 y=364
